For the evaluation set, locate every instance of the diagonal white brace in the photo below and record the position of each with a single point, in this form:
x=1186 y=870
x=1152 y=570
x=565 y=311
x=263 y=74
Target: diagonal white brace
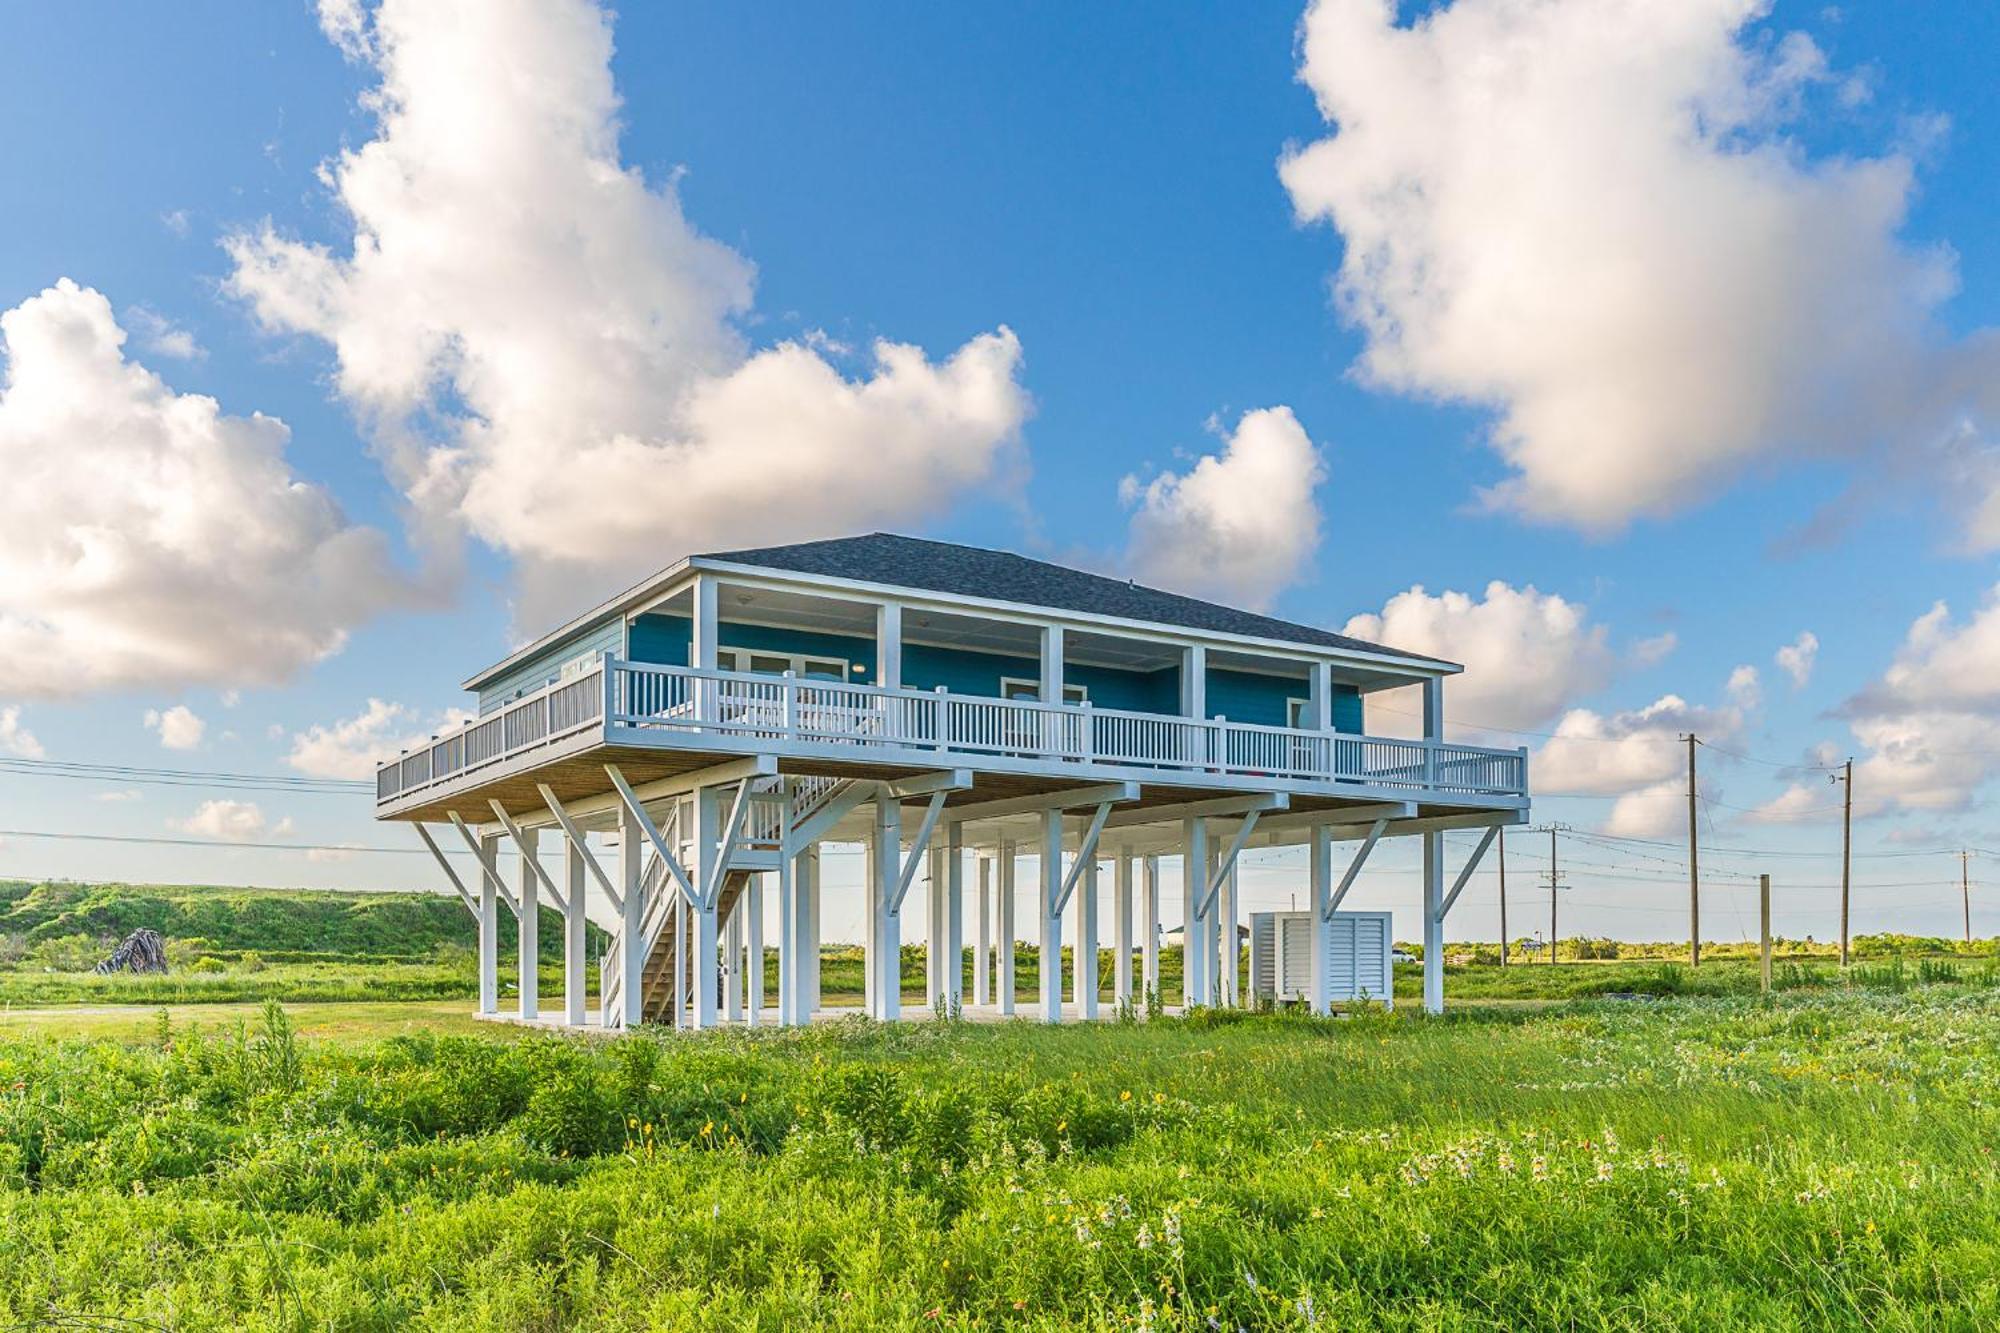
x=1227 y=861
x=718 y=866
x=528 y=855
x=652 y=832
x=918 y=845
x=1086 y=852
x=1354 y=867
x=491 y=871
x=1471 y=864
x=450 y=874
x=576 y=840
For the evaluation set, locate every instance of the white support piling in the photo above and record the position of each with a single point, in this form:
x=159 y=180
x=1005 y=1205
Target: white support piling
x=871 y=885
x=528 y=931
x=575 y=998
x=752 y=913
x=702 y=956
x=1197 y=948
x=1085 y=980
x=1049 y=925
x=789 y=961
x=732 y=965
x=489 y=927
x=631 y=922
x=954 y=918
x=1003 y=974
x=809 y=891
x=885 y=951
x=982 y=943
x=1434 y=923
x=935 y=985
x=1149 y=938
x=1121 y=932
x=1320 y=863
x=1227 y=941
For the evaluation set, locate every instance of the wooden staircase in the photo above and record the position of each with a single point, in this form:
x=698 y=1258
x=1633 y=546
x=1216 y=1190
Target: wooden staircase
x=665 y=984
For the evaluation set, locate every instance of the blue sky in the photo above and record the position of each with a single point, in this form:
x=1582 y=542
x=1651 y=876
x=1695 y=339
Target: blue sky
x=1105 y=183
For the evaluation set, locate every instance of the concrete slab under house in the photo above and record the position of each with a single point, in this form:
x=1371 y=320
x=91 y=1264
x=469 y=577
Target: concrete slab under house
x=665 y=760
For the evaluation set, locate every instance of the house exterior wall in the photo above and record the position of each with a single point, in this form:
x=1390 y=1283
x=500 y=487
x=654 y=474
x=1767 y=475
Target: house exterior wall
x=1240 y=696
x=545 y=666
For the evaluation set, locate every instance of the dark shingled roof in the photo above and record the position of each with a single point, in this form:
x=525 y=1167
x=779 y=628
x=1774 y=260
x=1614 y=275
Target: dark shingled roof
x=971 y=571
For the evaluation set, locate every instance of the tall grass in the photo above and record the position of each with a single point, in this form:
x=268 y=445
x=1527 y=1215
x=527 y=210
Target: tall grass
x=1818 y=1159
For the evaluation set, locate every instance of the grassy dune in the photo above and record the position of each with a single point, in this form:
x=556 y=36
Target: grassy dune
x=1822 y=1160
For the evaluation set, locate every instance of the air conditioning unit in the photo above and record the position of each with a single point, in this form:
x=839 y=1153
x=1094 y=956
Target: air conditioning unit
x=1357 y=956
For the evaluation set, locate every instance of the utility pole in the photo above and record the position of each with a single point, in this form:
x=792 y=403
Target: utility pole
x=1846 y=778
x=1764 y=931
x=1694 y=866
x=1964 y=890
x=1555 y=882
x=1503 y=900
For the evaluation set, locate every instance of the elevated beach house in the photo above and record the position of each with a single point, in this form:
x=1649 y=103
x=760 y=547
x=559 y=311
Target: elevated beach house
x=662 y=762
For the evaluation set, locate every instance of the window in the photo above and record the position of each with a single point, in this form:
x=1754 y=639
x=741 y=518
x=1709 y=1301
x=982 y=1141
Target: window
x=1298 y=713
x=765 y=663
x=1015 y=687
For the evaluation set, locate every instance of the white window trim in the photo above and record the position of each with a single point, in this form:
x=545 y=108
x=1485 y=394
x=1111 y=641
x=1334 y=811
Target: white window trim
x=1071 y=688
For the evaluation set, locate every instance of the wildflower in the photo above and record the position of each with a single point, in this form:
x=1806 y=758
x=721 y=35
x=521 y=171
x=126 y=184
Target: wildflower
x=1144 y=1237
x=1539 y=1168
x=1125 y=1096
x=1603 y=1171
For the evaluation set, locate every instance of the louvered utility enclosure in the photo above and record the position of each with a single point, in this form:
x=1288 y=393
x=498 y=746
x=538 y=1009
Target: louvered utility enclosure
x=1357 y=956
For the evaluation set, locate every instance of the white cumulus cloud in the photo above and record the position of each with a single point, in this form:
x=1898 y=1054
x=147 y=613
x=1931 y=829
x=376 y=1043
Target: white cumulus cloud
x=231 y=821
x=1639 y=756
x=550 y=353
x=1239 y=525
x=15 y=739
x=352 y=747
x=1929 y=726
x=147 y=539
x=1527 y=654
x=178 y=727
x=1796 y=658
x=1594 y=218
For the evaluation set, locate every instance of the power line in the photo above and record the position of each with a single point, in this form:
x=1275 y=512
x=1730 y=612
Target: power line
x=180 y=777
x=161 y=841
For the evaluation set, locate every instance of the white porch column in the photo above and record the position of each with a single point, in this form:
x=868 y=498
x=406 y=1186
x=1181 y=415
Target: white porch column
x=885 y=961
x=1149 y=939
x=1003 y=978
x=1320 y=859
x=889 y=645
x=1083 y=957
x=732 y=965
x=1319 y=697
x=631 y=923
x=707 y=624
x=871 y=880
x=1196 y=949
x=702 y=959
x=528 y=931
x=574 y=920
x=1433 y=923
x=1121 y=932
x=982 y=932
x=1052 y=664
x=1226 y=940
x=753 y=944
x=954 y=918
x=1049 y=965
x=1194 y=681
x=489 y=928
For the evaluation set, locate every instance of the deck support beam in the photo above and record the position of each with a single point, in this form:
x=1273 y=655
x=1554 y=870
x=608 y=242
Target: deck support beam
x=1003 y=973
x=1195 y=949
x=885 y=937
x=1049 y=850
x=982 y=935
x=1083 y=952
x=1121 y=934
x=1149 y=938
x=575 y=962
x=451 y=875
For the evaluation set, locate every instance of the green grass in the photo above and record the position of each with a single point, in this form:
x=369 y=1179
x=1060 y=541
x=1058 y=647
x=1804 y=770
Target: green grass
x=1821 y=1160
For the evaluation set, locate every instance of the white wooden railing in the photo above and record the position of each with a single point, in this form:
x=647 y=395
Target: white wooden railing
x=633 y=697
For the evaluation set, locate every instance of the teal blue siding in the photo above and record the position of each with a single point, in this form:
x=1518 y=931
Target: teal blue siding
x=1241 y=696
x=661 y=640
x=545 y=666
x=665 y=640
